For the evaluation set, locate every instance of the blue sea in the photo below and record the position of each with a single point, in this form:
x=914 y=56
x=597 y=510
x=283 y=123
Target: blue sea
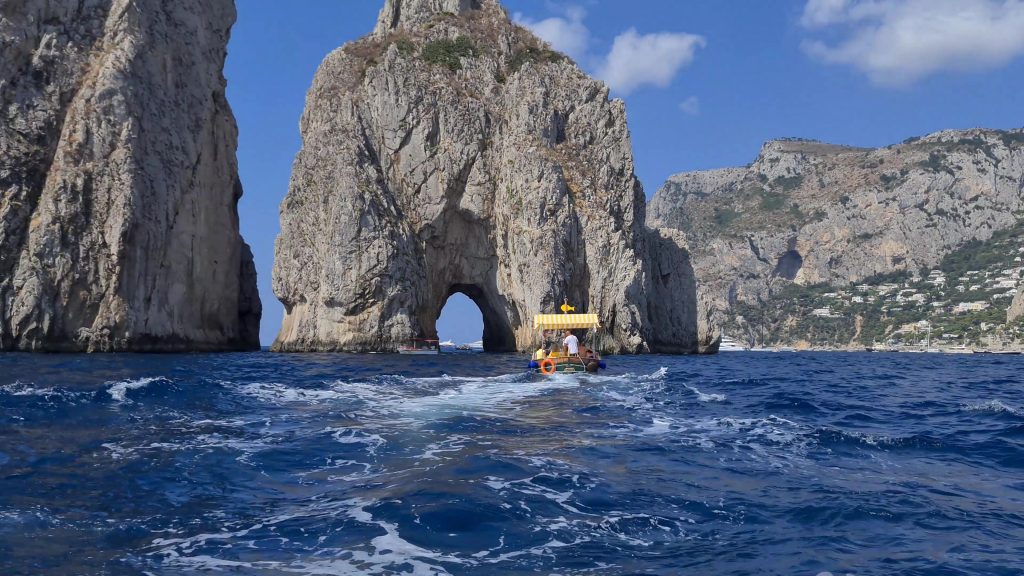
x=742 y=463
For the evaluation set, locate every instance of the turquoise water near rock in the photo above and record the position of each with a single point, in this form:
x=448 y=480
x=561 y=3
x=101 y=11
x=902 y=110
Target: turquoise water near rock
x=742 y=463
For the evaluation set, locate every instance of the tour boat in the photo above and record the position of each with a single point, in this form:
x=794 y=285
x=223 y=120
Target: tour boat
x=558 y=361
x=420 y=347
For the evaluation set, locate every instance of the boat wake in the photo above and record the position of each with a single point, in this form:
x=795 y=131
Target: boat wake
x=314 y=466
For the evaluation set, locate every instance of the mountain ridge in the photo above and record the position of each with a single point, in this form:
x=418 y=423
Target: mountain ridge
x=809 y=213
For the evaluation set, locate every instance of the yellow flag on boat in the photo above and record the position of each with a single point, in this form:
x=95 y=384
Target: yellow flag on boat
x=565 y=321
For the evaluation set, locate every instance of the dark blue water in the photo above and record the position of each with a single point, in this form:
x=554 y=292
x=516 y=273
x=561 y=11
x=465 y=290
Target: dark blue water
x=334 y=464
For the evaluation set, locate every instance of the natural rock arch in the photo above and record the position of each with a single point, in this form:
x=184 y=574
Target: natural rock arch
x=498 y=334
x=451 y=150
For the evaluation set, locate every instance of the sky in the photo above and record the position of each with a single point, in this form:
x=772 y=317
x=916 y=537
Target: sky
x=705 y=82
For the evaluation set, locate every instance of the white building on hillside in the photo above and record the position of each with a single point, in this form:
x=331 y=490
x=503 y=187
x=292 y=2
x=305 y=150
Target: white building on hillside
x=825 y=312
x=970 y=307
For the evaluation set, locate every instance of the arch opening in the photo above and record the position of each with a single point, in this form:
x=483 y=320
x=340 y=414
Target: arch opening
x=466 y=317
x=460 y=320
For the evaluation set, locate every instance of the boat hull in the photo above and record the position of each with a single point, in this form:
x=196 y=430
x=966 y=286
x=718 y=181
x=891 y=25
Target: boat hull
x=567 y=366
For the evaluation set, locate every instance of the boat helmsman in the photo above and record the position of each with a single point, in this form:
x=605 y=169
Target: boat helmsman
x=572 y=343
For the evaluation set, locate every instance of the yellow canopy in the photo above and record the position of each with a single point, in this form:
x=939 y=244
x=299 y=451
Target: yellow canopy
x=565 y=321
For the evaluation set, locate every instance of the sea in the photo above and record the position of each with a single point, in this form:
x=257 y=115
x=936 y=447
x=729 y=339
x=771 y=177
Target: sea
x=740 y=463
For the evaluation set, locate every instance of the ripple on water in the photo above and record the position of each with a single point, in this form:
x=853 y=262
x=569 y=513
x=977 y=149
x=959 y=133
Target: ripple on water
x=336 y=464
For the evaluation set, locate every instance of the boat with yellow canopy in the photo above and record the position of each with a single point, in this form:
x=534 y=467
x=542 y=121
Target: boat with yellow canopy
x=554 y=356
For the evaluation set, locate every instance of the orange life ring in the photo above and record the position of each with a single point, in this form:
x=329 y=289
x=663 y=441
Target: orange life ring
x=547 y=366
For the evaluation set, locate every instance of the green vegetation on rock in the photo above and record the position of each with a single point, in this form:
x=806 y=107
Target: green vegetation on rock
x=978 y=254
x=788 y=183
x=531 y=54
x=772 y=201
x=961 y=302
x=405 y=45
x=725 y=216
x=449 y=53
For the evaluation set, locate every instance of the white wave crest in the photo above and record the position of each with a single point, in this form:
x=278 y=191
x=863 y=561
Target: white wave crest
x=997 y=406
x=119 y=390
x=23 y=389
x=388 y=553
x=481 y=396
x=282 y=394
x=351 y=436
x=659 y=373
x=703 y=397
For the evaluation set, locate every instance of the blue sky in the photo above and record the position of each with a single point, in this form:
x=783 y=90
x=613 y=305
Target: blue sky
x=705 y=83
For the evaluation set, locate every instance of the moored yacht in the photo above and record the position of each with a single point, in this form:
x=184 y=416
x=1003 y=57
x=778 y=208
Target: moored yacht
x=730 y=345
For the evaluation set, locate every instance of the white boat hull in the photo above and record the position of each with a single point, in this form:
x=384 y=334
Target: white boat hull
x=730 y=345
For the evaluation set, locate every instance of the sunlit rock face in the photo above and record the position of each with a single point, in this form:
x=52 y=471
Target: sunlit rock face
x=452 y=151
x=118 y=179
x=1016 y=309
x=808 y=212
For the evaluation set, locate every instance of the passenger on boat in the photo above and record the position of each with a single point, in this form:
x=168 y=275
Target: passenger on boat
x=540 y=354
x=571 y=343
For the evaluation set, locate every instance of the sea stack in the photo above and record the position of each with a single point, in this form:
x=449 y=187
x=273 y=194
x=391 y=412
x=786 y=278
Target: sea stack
x=118 y=179
x=453 y=151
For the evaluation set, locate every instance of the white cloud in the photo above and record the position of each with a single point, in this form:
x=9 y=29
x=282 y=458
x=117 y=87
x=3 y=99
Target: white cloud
x=818 y=13
x=898 y=42
x=690 y=106
x=635 y=59
x=647 y=59
x=565 y=33
x=821 y=13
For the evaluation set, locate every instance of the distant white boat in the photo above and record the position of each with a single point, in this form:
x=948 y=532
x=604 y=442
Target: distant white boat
x=730 y=345
x=419 y=347
x=961 y=349
x=447 y=344
x=477 y=346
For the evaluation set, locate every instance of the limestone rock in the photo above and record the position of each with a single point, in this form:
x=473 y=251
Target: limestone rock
x=118 y=179
x=809 y=213
x=411 y=14
x=452 y=151
x=1016 y=309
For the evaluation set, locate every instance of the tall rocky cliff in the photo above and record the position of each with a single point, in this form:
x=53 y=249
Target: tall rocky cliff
x=809 y=213
x=118 y=179
x=452 y=151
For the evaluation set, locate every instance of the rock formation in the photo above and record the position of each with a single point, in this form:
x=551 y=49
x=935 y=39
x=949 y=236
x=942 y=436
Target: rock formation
x=1016 y=309
x=452 y=151
x=118 y=179
x=808 y=213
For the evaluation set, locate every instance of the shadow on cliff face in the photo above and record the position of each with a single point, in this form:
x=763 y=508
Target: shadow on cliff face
x=674 y=304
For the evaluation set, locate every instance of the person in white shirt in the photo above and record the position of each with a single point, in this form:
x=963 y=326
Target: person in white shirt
x=572 y=344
